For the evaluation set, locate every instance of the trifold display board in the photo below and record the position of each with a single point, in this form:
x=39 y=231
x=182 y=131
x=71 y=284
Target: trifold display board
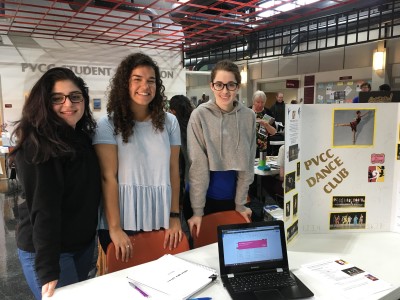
x=342 y=168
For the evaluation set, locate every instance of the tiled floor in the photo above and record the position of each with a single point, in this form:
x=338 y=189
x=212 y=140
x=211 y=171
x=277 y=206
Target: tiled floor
x=12 y=282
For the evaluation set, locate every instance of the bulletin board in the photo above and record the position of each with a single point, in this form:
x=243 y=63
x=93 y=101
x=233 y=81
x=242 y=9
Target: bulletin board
x=338 y=91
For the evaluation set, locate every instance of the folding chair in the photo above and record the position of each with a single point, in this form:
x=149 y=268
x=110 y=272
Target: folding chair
x=146 y=246
x=208 y=230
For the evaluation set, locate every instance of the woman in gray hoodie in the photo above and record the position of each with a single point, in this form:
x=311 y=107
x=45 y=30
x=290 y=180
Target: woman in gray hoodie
x=221 y=138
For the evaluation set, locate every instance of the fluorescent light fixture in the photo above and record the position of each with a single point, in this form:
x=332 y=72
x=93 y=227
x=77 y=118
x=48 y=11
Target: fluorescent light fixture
x=267 y=13
x=286 y=7
x=378 y=61
x=279 y=6
x=306 y=2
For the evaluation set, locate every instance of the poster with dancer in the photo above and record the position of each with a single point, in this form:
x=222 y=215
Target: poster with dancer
x=353 y=127
x=357 y=183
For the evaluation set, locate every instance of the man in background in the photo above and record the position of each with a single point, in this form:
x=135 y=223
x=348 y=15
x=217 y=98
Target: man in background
x=365 y=87
x=278 y=109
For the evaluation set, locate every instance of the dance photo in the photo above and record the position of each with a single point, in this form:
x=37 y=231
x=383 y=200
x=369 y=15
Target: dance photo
x=348 y=220
x=353 y=127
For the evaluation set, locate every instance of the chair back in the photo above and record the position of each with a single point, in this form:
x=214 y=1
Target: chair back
x=209 y=224
x=146 y=246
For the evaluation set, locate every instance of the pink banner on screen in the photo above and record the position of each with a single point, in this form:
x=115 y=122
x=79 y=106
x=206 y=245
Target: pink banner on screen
x=252 y=244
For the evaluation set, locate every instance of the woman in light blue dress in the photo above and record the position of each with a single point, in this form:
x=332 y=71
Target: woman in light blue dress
x=138 y=148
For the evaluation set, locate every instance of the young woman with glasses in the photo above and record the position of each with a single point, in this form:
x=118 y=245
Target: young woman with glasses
x=138 y=148
x=60 y=178
x=221 y=146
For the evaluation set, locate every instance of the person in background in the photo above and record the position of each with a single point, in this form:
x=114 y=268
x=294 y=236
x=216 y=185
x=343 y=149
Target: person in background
x=385 y=87
x=278 y=109
x=181 y=107
x=259 y=99
x=203 y=99
x=137 y=143
x=60 y=179
x=221 y=148
x=364 y=87
x=294 y=102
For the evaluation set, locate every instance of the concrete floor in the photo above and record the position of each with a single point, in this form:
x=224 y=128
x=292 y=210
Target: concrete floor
x=12 y=281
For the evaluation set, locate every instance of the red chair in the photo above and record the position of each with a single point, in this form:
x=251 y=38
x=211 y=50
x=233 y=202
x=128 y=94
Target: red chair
x=209 y=224
x=147 y=246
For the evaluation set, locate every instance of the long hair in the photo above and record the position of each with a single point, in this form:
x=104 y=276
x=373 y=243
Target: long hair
x=183 y=109
x=40 y=128
x=118 y=106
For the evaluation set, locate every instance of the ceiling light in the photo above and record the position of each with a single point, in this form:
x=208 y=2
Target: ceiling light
x=378 y=61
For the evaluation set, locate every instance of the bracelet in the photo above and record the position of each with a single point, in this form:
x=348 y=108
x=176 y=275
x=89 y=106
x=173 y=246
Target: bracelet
x=174 y=215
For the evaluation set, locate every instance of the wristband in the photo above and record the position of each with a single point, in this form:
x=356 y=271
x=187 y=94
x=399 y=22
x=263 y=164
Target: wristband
x=174 y=215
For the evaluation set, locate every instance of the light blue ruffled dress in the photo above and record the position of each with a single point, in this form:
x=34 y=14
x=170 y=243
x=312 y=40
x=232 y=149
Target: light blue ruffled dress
x=143 y=173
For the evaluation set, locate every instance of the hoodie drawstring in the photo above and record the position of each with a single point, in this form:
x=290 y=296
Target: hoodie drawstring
x=220 y=134
x=238 y=132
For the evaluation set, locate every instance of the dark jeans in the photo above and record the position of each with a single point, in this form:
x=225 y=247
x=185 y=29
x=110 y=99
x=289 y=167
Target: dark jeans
x=75 y=267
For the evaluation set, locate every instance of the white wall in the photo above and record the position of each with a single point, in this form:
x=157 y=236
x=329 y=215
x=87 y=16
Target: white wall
x=24 y=60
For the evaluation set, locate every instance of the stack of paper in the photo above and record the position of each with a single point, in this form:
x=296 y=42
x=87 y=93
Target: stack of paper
x=175 y=277
x=351 y=281
x=273 y=212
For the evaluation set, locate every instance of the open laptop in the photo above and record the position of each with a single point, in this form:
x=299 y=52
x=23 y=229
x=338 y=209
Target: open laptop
x=254 y=250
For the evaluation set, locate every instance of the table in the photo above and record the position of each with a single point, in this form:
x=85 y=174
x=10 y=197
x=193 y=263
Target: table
x=375 y=252
x=260 y=174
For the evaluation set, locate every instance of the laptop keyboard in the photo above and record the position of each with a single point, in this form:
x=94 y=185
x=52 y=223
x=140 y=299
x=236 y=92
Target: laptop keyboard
x=251 y=282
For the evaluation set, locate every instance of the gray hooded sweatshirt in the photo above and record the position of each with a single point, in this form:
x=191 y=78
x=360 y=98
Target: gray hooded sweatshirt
x=220 y=141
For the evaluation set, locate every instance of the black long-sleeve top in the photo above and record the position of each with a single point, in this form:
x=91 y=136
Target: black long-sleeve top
x=60 y=210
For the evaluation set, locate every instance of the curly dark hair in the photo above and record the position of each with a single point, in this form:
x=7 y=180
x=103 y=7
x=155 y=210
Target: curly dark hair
x=118 y=106
x=183 y=109
x=41 y=128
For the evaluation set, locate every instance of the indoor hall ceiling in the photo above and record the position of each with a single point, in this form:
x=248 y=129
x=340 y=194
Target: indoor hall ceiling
x=158 y=24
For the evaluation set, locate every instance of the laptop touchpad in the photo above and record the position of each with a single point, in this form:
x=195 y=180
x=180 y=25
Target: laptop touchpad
x=269 y=295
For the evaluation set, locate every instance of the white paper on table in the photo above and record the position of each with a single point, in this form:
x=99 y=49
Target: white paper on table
x=351 y=281
x=172 y=276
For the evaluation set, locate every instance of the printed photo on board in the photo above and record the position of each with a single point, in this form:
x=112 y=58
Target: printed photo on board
x=292 y=231
x=348 y=201
x=352 y=127
x=347 y=220
x=290 y=181
x=376 y=173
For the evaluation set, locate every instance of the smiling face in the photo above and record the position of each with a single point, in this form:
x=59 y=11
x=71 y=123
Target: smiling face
x=224 y=98
x=142 y=86
x=258 y=104
x=68 y=111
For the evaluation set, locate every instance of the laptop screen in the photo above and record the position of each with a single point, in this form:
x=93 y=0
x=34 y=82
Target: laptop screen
x=251 y=246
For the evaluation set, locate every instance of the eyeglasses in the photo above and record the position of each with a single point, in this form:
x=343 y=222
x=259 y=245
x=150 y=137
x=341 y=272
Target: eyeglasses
x=59 y=98
x=219 y=86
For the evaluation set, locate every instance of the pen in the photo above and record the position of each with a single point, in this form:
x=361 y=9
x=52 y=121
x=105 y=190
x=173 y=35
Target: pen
x=138 y=289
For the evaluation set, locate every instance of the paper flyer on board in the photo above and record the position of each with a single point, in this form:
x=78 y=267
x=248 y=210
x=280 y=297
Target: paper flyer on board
x=353 y=282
